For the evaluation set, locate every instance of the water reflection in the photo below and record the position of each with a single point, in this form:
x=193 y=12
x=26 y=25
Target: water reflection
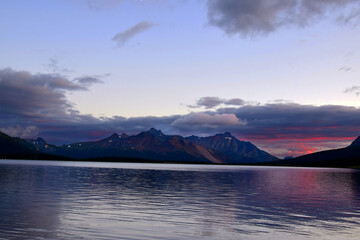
x=111 y=203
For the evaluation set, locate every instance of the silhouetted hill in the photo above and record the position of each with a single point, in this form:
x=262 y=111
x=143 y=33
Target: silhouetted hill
x=343 y=157
x=10 y=147
x=17 y=148
x=355 y=143
x=238 y=151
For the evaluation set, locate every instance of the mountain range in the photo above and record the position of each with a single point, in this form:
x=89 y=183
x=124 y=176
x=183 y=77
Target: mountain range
x=155 y=146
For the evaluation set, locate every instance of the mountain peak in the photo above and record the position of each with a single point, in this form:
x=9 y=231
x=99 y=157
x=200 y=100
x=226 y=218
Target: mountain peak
x=113 y=137
x=124 y=135
x=155 y=132
x=356 y=142
x=238 y=151
x=226 y=134
x=37 y=141
x=40 y=140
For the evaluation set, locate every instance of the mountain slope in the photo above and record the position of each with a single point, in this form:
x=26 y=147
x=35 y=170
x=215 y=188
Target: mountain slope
x=38 y=144
x=355 y=143
x=343 y=157
x=238 y=151
x=10 y=147
x=17 y=148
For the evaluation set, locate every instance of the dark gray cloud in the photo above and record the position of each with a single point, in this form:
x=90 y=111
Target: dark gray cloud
x=23 y=94
x=290 y=120
x=353 y=89
x=259 y=17
x=208 y=102
x=235 y=101
x=122 y=37
x=212 y=102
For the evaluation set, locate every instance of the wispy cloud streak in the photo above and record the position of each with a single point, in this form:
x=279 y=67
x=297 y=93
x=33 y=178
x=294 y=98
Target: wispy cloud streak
x=122 y=37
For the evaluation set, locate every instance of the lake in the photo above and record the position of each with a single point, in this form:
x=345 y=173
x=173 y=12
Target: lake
x=82 y=200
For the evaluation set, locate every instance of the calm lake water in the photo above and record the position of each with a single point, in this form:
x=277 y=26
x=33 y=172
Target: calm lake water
x=73 y=200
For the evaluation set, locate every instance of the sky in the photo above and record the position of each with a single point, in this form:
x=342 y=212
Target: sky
x=283 y=74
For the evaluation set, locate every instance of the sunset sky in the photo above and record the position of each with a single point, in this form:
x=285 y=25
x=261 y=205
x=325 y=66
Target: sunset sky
x=283 y=74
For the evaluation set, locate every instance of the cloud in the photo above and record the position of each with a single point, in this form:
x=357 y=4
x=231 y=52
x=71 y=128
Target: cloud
x=207 y=120
x=212 y=102
x=344 y=69
x=88 y=80
x=235 y=101
x=208 y=102
x=261 y=17
x=296 y=121
x=280 y=101
x=122 y=37
x=351 y=18
x=54 y=67
x=353 y=89
x=23 y=94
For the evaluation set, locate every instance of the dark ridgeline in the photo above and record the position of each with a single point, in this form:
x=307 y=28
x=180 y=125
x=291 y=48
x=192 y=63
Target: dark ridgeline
x=154 y=146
